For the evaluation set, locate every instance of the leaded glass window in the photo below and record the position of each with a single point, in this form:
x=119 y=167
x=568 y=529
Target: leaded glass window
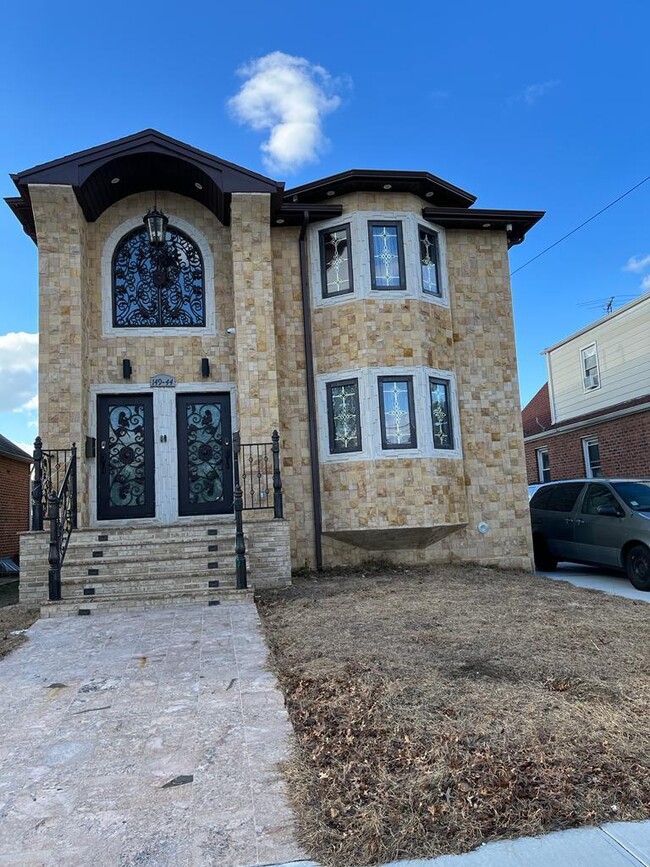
x=397 y=412
x=443 y=435
x=343 y=416
x=386 y=256
x=158 y=286
x=336 y=261
x=429 y=261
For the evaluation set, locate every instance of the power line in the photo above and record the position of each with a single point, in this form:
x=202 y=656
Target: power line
x=577 y=228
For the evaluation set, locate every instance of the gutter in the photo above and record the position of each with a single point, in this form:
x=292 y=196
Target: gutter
x=311 y=396
x=589 y=422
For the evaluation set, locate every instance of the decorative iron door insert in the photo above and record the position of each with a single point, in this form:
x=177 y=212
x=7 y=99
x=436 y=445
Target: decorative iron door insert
x=125 y=457
x=204 y=454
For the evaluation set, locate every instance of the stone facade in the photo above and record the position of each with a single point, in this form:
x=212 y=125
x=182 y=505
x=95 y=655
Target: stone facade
x=255 y=288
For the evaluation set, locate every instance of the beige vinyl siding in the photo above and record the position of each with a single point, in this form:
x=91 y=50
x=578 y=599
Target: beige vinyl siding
x=623 y=344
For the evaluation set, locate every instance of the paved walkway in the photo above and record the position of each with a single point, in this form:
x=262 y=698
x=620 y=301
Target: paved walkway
x=606 y=580
x=143 y=739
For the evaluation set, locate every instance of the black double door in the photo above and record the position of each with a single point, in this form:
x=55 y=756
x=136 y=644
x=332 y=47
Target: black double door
x=126 y=477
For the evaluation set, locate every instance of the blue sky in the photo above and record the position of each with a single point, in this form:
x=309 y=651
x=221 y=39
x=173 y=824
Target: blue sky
x=533 y=106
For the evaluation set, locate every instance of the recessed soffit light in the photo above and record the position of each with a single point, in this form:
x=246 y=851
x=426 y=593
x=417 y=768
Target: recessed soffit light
x=115 y=180
x=388 y=186
x=429 y=194
x=331 y=192
x=279 y=222
x=487 y=225
x=198 y=185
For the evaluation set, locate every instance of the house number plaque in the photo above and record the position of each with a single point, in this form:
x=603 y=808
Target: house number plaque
x=163 y=380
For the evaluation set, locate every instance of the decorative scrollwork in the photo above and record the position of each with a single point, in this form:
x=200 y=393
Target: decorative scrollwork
x=126 y=455
x=158 y=286
x=204 y=452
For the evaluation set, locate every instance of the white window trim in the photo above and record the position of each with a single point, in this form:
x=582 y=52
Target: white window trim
x=360 y=256
x=593 y=345
x=540 y=465
x=165 y=454
x=370 y=418
x=586 y=442
x=110 y=330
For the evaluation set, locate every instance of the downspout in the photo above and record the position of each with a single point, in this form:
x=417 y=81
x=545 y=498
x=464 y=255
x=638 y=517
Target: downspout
x=311 y=397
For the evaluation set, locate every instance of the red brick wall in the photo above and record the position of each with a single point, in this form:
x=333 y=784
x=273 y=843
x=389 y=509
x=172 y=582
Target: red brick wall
x=14 y=505
x=624 y=445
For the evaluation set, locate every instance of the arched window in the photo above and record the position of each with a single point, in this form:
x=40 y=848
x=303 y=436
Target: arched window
x=158 y=286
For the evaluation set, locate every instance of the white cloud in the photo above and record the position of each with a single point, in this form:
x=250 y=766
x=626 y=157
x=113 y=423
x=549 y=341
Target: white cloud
x=531 y=94
x=18 y=371
x=637 y=264
x=645 y=283
x=289 y=96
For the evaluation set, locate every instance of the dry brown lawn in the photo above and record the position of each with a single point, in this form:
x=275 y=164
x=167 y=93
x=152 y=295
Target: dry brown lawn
x=438 y=709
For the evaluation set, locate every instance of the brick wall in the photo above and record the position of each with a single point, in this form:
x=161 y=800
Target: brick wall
x=623 y=443
x=14 y=504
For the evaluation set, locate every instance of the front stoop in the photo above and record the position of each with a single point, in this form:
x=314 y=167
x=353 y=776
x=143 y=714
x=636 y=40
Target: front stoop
x=137 y=568
x=147 y=566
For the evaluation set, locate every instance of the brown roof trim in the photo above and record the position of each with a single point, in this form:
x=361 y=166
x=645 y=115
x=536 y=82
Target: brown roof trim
x=145 y=161
x=597 y=415
x=292 y=213
x=422 y=184
x=515 y=223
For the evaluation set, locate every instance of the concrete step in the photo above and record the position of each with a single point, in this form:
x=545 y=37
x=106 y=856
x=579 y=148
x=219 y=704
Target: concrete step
x=92 y=587
x=139 y=602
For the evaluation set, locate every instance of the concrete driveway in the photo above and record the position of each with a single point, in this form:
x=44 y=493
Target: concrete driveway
x=147 y=738
x=607 y=580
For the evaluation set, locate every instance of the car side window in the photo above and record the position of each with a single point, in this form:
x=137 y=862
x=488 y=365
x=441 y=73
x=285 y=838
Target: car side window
x=563 y=497
x=540 y=498
x=598 y=495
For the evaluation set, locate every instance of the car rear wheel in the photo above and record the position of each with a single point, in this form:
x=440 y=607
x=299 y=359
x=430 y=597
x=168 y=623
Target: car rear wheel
x=543 y=559
x=637 y=567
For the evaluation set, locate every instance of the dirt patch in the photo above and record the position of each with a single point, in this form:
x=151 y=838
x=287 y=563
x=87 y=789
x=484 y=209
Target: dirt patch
x=438 y=709
x=14 y=618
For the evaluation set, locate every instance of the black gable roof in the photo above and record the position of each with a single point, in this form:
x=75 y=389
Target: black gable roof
x=148 y=160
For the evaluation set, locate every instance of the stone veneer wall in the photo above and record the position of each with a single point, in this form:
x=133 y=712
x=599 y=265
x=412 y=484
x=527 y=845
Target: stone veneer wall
x=475 y=339
x=266 y=359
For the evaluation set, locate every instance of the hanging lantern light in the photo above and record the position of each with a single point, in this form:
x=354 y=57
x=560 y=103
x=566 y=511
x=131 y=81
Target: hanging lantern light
x=156 y=223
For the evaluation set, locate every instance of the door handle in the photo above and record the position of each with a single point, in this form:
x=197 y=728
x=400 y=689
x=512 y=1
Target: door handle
x=578 y=521
x=102 y=451
x=568 y=520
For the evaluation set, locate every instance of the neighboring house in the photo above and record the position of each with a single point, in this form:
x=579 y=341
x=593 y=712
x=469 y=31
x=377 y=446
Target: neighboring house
x=14 y=498
x=592 y=418
x=366 y=316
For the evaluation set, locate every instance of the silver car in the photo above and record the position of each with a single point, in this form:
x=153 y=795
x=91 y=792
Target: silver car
x=601 y=522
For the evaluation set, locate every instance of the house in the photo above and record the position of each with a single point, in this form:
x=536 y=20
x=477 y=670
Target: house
x=14 y=498
x=592 y=417
x=187 y=303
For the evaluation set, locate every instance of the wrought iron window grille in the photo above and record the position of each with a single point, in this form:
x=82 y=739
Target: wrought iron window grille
x=158 y=285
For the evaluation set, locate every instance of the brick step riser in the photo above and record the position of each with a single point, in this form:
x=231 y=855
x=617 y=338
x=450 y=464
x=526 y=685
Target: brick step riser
x=175 y=562
x=178 y=567
x=67 y=608
x=143 y=587
x=158 y=534
x=93 y=542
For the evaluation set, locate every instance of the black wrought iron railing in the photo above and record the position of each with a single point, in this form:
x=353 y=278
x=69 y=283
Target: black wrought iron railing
x=258 y=485
x=54 y=498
